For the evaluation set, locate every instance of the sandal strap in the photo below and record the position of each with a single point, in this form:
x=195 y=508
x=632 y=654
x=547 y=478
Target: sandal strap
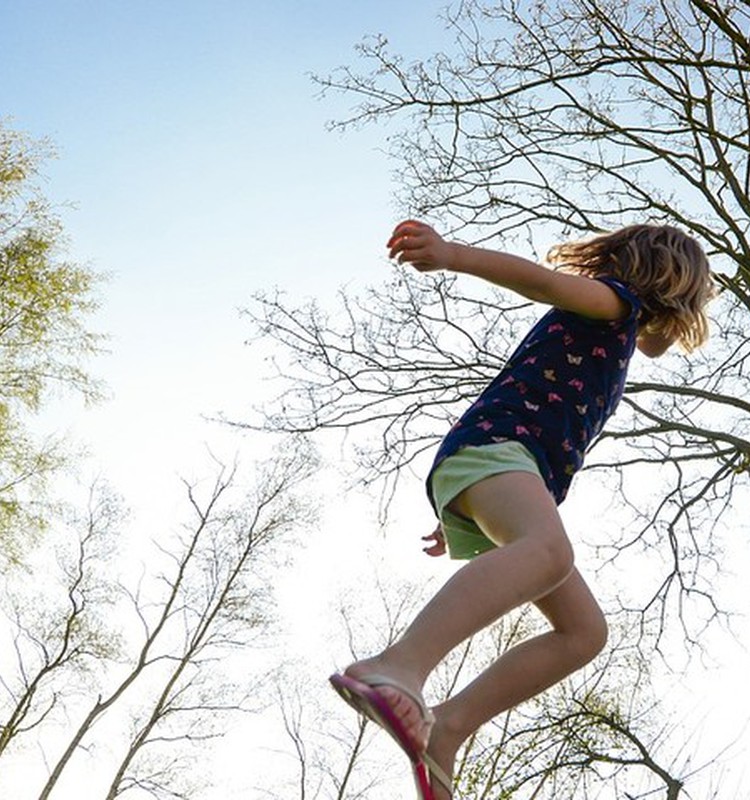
x=437 y=772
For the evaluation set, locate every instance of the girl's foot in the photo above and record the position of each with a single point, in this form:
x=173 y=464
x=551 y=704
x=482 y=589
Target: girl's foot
x=430 y=733
x=403 y=695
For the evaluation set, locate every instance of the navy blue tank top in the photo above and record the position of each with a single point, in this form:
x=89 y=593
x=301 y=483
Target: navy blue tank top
x=555 y=393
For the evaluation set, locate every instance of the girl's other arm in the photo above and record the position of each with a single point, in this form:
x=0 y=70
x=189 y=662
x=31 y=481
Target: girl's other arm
x=418 y=244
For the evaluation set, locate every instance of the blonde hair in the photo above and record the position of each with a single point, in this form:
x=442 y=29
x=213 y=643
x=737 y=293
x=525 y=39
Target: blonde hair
x=665 y=267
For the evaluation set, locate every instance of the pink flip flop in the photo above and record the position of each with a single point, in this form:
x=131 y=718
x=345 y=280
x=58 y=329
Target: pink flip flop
x=362 y=695
x=422 y=781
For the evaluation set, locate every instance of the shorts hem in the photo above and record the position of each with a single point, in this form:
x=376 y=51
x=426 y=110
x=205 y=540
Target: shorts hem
x=463 y=469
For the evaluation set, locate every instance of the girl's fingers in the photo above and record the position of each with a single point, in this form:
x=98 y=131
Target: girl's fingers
x=409 y=227
x=438 y=547
x=408 y=246
x=401 y=240
x=405 y=249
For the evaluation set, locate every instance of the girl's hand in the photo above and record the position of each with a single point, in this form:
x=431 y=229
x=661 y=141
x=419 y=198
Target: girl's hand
x=421 y=246
x=438 y=539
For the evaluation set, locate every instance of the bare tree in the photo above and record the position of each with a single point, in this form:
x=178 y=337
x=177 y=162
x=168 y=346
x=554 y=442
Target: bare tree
x=546 y=121
x=163 y=676
x=334 y=752
x=61 y=642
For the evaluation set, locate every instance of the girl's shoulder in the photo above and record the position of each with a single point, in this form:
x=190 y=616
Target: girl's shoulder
x=629 y=295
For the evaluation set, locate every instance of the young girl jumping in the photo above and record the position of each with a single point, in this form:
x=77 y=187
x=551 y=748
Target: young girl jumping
x=507 y=463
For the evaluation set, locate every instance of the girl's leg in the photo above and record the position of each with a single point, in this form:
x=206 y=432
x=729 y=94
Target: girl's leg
x=578 y=633
x=515 y=510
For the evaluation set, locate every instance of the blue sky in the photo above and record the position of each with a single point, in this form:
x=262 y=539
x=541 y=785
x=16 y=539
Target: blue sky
x=193 y=144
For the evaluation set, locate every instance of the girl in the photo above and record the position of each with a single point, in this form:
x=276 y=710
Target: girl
x=507 y=463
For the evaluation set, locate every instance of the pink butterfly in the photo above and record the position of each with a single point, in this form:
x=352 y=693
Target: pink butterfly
x=599 y=351
x=576 y=383
x=553 y=397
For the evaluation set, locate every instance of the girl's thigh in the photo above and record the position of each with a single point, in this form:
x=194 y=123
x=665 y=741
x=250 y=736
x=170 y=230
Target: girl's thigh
x=511 y=506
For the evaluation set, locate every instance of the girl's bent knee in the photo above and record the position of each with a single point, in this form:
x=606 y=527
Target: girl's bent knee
x=556 y=554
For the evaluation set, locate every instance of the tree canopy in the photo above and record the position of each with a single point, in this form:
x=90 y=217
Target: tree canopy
x=45 y=307
x=546 y=121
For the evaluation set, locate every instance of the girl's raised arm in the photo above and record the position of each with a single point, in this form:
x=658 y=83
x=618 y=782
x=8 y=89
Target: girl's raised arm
x=421 y=246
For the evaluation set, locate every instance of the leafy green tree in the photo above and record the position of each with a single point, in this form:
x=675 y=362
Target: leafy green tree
x=45 y=305
x=126 y=676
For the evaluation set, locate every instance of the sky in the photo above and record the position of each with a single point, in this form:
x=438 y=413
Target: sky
x=196 y=169
x=193 y=144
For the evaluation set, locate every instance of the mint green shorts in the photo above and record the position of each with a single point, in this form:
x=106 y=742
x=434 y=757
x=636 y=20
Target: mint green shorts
x=463 y=469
